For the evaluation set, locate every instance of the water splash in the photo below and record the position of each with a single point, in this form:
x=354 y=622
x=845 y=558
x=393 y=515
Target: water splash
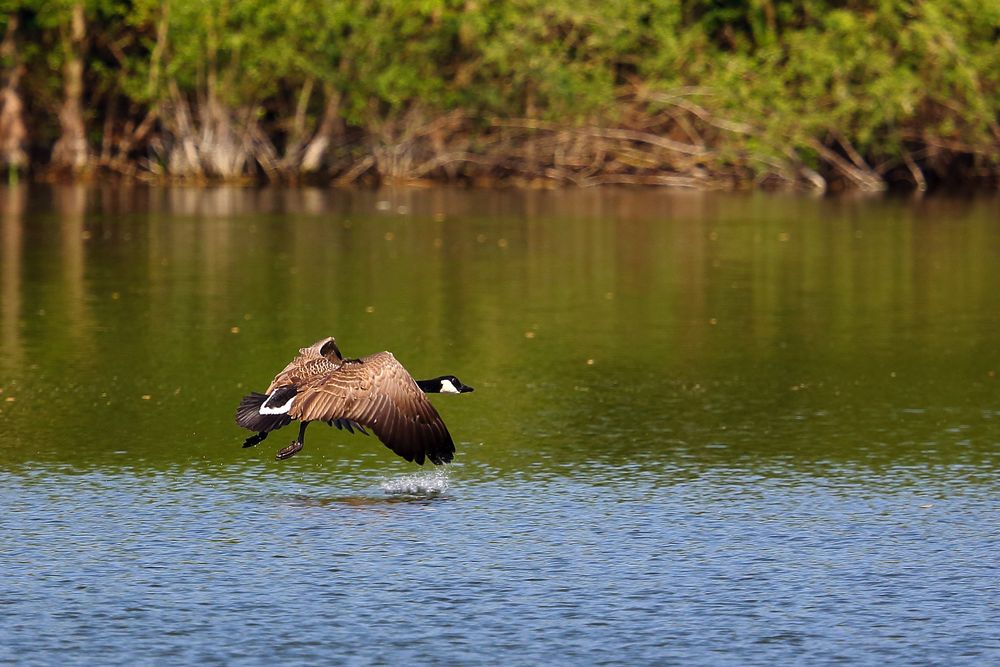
x=429 y=482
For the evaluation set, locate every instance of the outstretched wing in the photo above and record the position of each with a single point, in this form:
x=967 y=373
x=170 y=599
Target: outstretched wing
x=377 y=392
x=320 y=358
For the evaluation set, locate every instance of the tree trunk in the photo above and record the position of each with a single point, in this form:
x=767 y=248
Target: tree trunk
x=12 y=131
x=70 y=151
x=295 y=144
x=331 y=128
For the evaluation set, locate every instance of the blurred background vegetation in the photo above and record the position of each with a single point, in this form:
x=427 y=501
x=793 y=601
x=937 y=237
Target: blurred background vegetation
x=696 y=93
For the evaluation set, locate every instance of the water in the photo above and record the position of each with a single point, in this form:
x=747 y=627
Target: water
x=706 y=429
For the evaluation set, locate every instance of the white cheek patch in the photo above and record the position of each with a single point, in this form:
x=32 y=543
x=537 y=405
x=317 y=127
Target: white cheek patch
x=448 y=388
x=264 y=410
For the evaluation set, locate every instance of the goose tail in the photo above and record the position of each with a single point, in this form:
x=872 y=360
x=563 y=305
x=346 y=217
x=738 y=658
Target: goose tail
x=249 y=416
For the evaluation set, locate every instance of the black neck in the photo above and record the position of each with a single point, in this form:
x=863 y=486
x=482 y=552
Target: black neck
x=430 y=386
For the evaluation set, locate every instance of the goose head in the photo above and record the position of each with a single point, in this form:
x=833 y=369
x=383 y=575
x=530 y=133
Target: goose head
x=445 y=384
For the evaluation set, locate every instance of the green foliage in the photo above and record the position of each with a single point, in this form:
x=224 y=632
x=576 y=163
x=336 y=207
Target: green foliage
x=875 y=74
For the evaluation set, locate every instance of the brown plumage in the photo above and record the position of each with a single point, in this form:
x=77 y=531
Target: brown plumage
x=374 y=392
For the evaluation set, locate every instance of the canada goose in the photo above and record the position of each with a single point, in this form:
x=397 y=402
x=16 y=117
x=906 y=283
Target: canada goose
x=374 y=392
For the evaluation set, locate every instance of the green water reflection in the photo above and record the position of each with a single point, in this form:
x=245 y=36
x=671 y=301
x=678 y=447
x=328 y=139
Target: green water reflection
x=599 y=327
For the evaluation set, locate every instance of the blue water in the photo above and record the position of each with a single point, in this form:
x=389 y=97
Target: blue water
x=605 y=565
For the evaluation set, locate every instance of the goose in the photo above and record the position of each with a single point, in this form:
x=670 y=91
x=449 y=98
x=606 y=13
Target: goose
x=374 y=392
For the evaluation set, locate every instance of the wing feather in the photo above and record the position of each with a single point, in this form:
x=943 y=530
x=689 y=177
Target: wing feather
x=378 y=393
x=317 y=360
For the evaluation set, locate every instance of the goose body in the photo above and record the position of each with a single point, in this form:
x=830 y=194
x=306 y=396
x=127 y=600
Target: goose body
x=374 y=392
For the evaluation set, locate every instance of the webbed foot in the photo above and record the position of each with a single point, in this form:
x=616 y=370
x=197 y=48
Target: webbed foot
x=289 y=451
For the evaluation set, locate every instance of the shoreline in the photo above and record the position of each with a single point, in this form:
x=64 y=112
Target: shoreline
x=682 y=149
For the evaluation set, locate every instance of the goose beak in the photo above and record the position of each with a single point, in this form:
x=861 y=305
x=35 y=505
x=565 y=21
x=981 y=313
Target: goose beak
x=464 y=389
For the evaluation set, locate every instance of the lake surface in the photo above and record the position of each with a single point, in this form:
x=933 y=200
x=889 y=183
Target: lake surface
x=707 y=429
